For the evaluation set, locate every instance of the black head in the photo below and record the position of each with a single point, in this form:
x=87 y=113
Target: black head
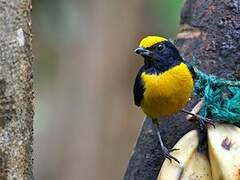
x=160 y=56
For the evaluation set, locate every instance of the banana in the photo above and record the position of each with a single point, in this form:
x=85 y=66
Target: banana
x=193 y=165
x=224 y=156
x=224 y=151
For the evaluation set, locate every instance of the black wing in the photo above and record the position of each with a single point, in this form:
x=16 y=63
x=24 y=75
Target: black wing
x=138 y=89
x=191 y=69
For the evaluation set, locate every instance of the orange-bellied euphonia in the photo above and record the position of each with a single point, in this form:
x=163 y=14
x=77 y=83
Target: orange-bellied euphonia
x=164 y=83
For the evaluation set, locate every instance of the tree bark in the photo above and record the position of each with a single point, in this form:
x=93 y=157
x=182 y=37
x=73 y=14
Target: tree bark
x=211 y=33
x=16 y=90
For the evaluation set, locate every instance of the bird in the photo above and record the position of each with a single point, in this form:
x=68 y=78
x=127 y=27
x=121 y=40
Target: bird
x=163 y=84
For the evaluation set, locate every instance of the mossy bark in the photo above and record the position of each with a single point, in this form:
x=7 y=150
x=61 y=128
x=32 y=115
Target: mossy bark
x=211 y=33
x=16 y=90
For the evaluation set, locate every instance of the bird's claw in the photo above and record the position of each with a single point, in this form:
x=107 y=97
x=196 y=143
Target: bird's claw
x=174 y=149
x=166 y=154
x=204 y=121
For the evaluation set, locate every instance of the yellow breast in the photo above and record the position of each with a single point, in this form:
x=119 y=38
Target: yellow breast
x=166 y=93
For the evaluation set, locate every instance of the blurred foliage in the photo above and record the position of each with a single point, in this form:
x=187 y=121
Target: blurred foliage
x=166 y=16
x=83 y=78
x=54 y=22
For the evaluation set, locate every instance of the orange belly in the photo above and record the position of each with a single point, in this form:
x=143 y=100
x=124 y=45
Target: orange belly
x=166 y=93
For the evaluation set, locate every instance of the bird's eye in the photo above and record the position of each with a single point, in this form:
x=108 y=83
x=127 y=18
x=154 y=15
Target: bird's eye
x=160 y=47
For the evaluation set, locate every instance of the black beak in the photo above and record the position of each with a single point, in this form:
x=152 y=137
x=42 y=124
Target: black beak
x=142 y=51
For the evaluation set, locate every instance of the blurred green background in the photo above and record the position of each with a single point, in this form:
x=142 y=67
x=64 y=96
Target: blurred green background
x=86 y=123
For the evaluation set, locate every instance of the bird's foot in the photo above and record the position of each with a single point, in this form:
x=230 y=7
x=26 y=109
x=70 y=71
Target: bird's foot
x=167 y=155
x=166 y=151
x=203 y=121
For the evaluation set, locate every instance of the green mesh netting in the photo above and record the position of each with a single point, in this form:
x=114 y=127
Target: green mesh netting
x=221 y=98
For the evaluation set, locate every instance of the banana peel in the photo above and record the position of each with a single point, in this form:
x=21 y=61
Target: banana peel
x=223 y=162
x=193 y=165
x=224 y=151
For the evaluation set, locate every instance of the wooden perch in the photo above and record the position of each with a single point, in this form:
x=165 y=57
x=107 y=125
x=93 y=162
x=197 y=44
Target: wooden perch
x=16 y=90
x=211 y=33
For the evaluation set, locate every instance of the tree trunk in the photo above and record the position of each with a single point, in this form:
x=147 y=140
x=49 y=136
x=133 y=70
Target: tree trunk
x=16 y=90
x=211 y=33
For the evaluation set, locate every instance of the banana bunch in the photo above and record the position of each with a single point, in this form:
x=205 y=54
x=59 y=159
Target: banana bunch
x=223 y=162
